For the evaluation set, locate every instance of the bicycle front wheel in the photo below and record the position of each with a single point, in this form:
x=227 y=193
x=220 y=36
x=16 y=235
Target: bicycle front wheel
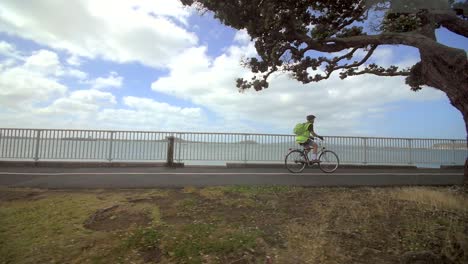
x=329 y=161
x=295 y=161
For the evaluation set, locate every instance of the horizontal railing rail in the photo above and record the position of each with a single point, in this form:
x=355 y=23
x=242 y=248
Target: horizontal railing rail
x=101 y=145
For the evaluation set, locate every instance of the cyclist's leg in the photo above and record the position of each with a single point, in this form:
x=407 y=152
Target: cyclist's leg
x=307 y=146
x=314 y=147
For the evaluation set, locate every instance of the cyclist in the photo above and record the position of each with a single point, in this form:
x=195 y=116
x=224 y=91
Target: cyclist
x=303 y=136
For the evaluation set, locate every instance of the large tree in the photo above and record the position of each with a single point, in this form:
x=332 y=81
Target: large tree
x=302 y=37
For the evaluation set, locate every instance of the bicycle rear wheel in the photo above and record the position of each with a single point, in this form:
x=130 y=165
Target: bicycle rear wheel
x=295 y=161
x=329 y=161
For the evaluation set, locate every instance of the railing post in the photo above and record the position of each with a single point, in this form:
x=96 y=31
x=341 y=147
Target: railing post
x=410 y=149
x=180 y=136
x=109 y=156
x=170 y=152
x=454 y=154
x=38 y=140
x=365 y=150
x=245 y=149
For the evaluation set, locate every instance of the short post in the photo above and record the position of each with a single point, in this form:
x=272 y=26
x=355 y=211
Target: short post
x=109 y=155
x=38 y=140
x=170 y=152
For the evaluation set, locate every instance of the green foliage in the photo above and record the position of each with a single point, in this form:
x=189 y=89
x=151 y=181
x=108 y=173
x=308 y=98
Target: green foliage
x=287 y=32
x=350 y=32
x=415 y=80
x=144 y=238
x=396 y=22
x=193 y=241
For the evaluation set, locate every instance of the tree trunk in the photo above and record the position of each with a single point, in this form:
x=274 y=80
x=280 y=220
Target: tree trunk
x=466 y=160
x=446 y=69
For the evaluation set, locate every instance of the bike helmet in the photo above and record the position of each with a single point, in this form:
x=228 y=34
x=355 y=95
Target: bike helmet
x=310 y=117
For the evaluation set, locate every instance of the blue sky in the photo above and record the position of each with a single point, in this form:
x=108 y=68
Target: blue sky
x=154 y=65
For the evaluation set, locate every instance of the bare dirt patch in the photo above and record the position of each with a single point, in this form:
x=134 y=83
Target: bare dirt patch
x=116 y=218
x=162 y=202
x=152 y=255
x=14 y=195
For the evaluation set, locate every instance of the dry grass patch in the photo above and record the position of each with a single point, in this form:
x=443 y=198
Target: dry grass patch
x=47 y=230
x=212 y=193
x=189 y=189
x=440 y=199
x=310 y=243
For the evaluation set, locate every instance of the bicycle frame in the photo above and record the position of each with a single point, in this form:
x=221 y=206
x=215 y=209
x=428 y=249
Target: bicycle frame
x=322 y=162
x=320 y=149
x=306 y=154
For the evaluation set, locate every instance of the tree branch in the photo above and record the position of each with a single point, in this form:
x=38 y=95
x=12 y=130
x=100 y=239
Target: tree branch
x=335 y=60
x=330 y=45
x=332 y=66
x=376 y=70
x=338 y=44
x=357 y=64
x=452 y=23
x=367 y=71
x=352 y=19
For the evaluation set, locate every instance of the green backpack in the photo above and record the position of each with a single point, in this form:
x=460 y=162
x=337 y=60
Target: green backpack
x=300 y=129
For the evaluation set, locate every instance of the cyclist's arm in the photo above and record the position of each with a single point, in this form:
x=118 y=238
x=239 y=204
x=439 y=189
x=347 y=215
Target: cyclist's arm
x=312 y=132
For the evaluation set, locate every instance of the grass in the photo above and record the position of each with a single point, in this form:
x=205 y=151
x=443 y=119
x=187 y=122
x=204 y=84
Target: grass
x=235 y=224
x=433 y=198
x=194 y=242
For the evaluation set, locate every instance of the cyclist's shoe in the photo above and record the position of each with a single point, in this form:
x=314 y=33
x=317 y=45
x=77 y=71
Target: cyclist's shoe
x=314 y=161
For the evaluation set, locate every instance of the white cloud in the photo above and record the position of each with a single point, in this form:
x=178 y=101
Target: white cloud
x=172 y=9
x=33 y=81
x=122 y=31
x=74 y=60
x=340 y=105
x=76 y=74
x=79 y=104
x=45 y=62
x=242 y=37
x=32 y=95
x=94 y=109
x=20 y=87
x=40 y=62
x=113 y=80
x=8 y=50
x=148 y=114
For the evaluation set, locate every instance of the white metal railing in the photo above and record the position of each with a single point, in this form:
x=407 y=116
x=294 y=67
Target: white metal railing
x=98 y=145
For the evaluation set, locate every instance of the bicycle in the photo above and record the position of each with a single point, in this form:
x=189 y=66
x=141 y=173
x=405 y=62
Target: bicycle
x=297 y=159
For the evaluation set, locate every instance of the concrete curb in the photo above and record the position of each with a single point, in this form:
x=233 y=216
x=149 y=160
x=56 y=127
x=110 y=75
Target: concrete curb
x=80 y=164
x=342 y=166
x=451 y=167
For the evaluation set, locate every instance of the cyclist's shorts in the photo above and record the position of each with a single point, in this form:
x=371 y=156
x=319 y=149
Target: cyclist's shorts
x=308 y=143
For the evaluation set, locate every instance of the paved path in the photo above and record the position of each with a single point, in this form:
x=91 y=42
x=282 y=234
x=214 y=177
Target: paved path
x=89 y=178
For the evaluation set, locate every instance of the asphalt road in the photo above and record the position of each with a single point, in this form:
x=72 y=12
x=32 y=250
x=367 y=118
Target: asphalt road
x=151 y=177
